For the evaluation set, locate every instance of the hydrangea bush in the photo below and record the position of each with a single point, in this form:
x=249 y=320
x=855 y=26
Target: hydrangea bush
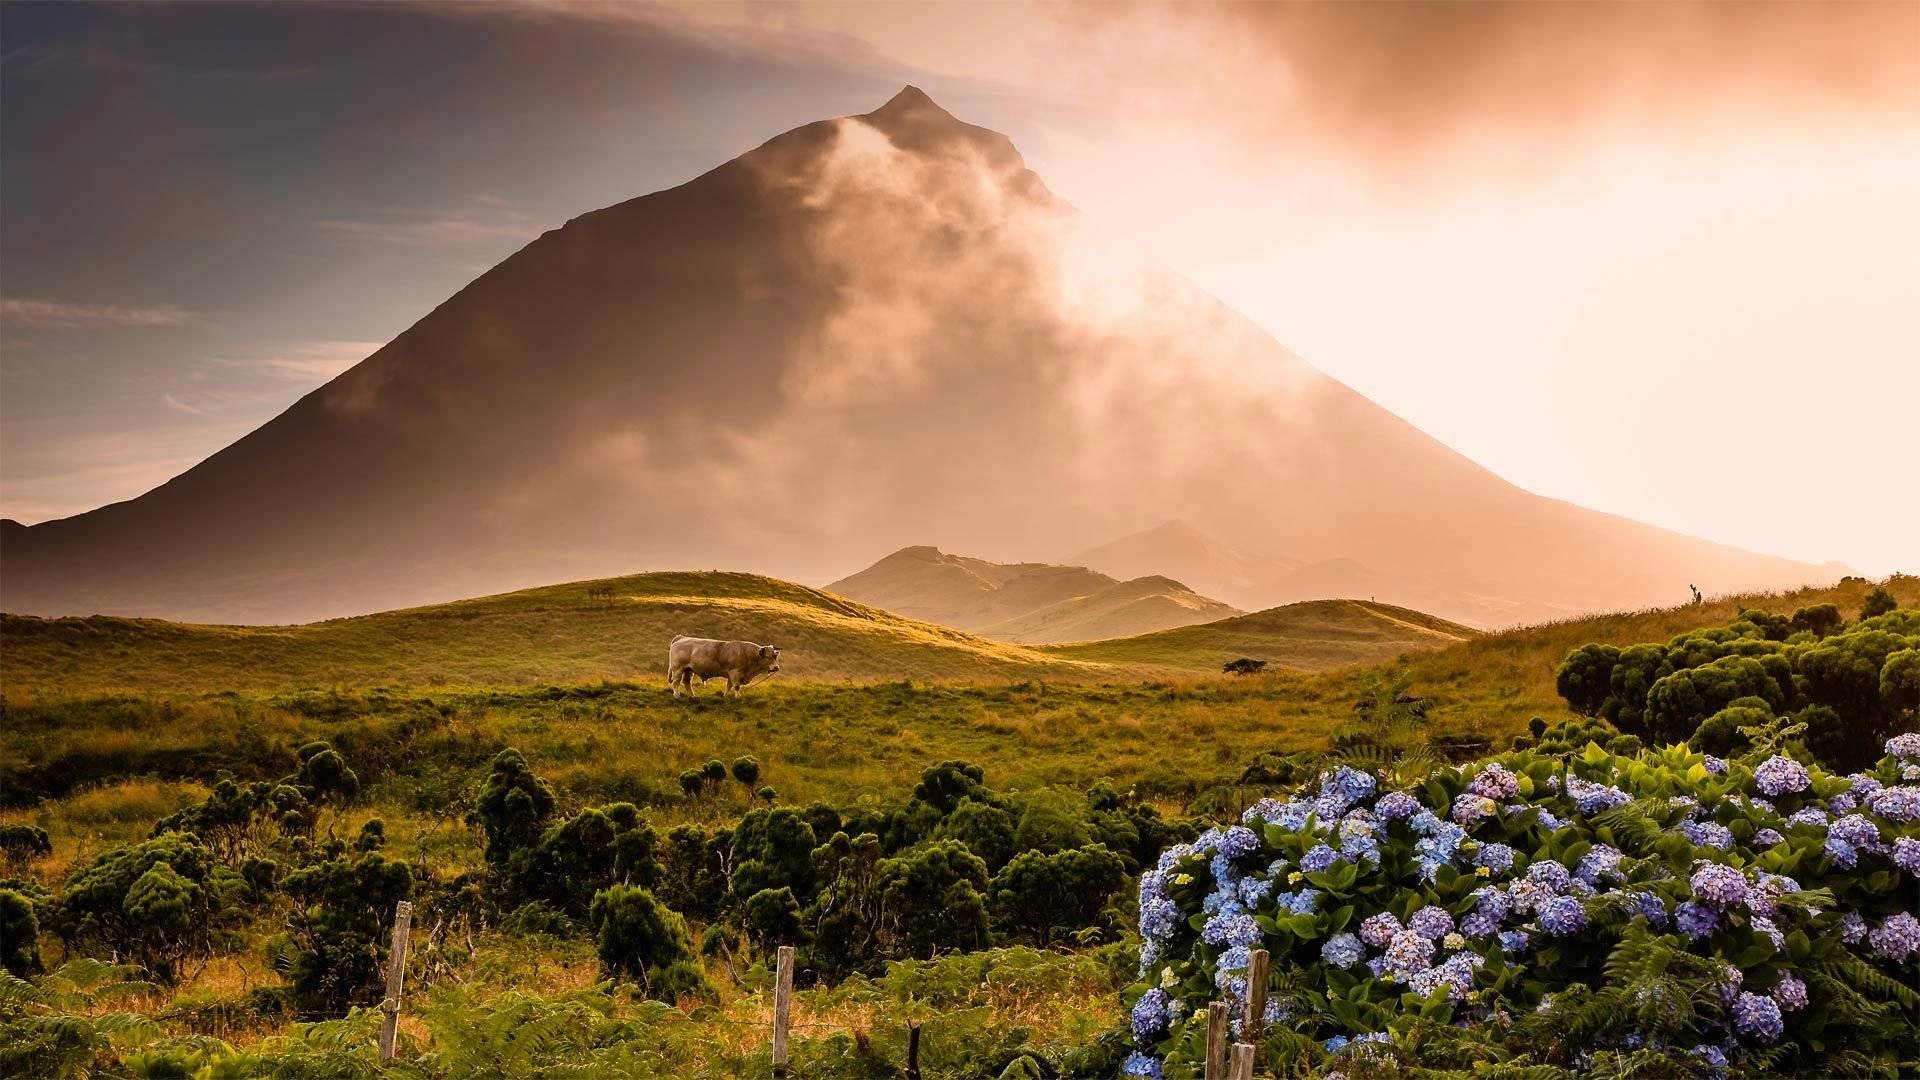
x=1529 y=908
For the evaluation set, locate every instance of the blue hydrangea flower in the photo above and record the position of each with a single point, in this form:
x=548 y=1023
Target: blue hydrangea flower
x=1551 y=874
x=1763 y=925
x=1254 y=889
x=1493 y=903
x=1408 y=952
x=1432 y=923
x=1349 y=783
x=1592 y=798
x=1853 y=928
x=1470 y=809
x=1550 y=821
x=1158 y=918
x=1318 y=859
x=1478 y=924
x=1343 y=950
x=1303 y=902
x=1150 y=1016
x=1714 y=765
x=1424 y=822
x=1361 y=849
x=1842 y=853
x=1513 y=941
x=1807 y=815
x=1757 y=1017
x=1231 y=929
x=1139 y=1063
x=1239 y=840
x=1652 y=908
x=1335 y=1044
x=1563 y=915
x=1778 y=775
x=1856 y=831
x=1696 y=919
x=1712 y=1055
x=1768 y=838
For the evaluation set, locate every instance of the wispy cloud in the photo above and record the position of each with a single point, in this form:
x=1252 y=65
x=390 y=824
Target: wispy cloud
x=315 y=360
x=27 y=311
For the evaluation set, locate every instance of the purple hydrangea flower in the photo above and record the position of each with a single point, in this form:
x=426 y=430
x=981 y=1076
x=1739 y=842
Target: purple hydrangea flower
x=1906 y=855
x=1361 y=849
x=1254 y=889
x=1592 y=798
x=1896 y=803
x=1602 y=861
x=1150 y=1016
x=1904 y=746
x=1343 y=951
x=1842 y=853
x=1768 y=838
x=1493 y=903
x=1158 y=917
x=1807 y=815
x=1843 y=803
x=1396 y=806
x=1378 y=930
x=1563 y=915
x=1778 y=775
x=1714 y=1056
x=1696 y=920
x=1707 y=834
x=1856 y=831
x=1424 y=822
x=1791 y=993
x=1469 y=808
x=1714 y=765
x=1431 y=923
x=1853 y=928
x=1763 y=925
x=1495 y=782
x=1652 y=908
x=1408 y=952
x=1897 y=938
x=1551 y=874
x=1478 y=924
x=1318 y=859
x=1495 y=857
x=1721 y=886
x=1757 y=1017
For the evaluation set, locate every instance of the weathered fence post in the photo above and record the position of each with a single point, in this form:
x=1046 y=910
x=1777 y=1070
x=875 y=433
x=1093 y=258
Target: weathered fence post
x=913 y=1050
x=1242 y=1061
x=1256 y=1014
x=1217 y=1041
x=396 y=978
x=782 y=1004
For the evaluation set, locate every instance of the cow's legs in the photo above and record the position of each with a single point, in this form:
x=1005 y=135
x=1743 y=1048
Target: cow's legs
x=733 y=685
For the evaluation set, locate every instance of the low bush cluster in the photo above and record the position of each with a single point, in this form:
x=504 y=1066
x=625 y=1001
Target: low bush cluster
x=1664 y=910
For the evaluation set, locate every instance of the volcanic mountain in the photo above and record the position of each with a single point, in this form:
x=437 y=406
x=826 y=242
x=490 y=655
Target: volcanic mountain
x=865 y=332
x=1029 y=603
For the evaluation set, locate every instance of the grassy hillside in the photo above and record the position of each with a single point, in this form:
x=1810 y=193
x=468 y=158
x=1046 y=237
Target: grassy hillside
x=1309 y=636
x=1500 y=680
x=1124 y=609
x=553 y=634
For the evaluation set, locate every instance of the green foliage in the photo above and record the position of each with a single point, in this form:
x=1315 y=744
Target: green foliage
x=746 y=770
x=772 y=918
x=931 y=899
x=1878 y=602
x=642 y=939
x=577 y=857
x=19 y=934
x=1721 y=733
x=1040 y=897
x=1818 y=619
x=1051 y=819
x=943 y=786
x=1585 y=677
x=772 y=849
x=513 y=807
x=986 y=829
x=21 y=845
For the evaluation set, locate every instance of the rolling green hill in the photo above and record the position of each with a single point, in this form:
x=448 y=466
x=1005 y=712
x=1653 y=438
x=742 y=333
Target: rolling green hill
x=552 y=634
x=1309 y=636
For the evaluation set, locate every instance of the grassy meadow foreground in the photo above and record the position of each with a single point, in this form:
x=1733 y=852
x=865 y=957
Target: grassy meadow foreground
x=488 y=741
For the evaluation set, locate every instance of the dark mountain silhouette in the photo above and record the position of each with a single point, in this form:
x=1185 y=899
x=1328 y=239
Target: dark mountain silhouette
x=863 y=334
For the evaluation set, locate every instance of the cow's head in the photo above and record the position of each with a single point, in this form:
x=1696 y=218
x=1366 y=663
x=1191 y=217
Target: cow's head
x=769 y=658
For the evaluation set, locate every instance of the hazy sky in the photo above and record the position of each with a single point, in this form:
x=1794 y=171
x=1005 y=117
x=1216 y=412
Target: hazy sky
x=1657 y=260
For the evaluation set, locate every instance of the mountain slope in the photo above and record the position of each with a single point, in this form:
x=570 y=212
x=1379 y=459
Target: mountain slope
x=551 y=634
x=1308 y=636
x=1031 y=603
x=1122 y=609
x=864 y=332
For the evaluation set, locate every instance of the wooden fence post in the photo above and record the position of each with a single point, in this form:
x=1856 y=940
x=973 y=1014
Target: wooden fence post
x=396 y=978
x=782 y=1004
x=1242 y=1061
x=1217 y=1041
x=913 y=1050
x=1256 y=1014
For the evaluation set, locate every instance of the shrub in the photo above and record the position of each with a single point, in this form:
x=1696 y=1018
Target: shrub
x=942 y=786
x=772 y=918
x=21 y=845
x=1818 y=619
x=1878 y=602
x=987 y=830
x=1051 y=819
x=338 y=929
x=1720 y=733
x=644 y=940
x=154 y=902
x=19 y=934
x=1533 y=911
x=513 y=807
x=771 y=849
x=1038 y=897
x=930 y=897
x=746 y=770
x=578 y=857
x=1585 y=678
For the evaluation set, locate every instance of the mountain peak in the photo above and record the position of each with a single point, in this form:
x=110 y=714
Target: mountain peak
x=911 y=100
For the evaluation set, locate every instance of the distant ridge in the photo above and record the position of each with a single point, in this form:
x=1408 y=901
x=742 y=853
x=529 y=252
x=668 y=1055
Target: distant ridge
x=1029 y=603
x=1307 y=636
